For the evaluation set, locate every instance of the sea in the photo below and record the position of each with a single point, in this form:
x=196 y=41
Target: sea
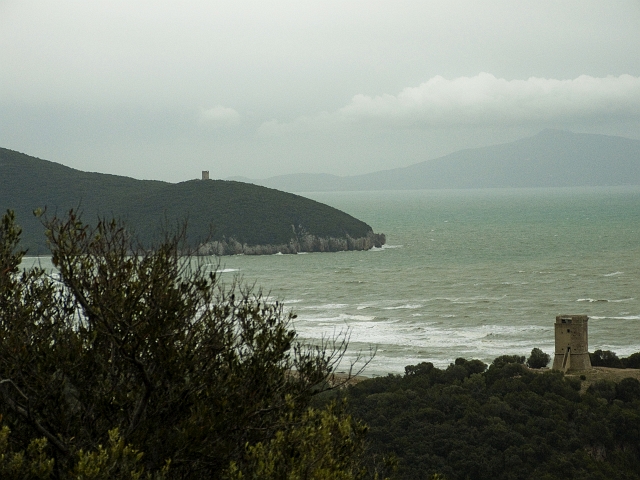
x=465 y=273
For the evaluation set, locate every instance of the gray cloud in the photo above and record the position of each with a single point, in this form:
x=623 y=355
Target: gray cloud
x=480 y=101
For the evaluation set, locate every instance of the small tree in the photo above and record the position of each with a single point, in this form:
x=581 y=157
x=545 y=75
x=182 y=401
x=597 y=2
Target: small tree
x=538 y=359
x=503 y=360
x=141 y=341
x=632 y=361
x=605 y=358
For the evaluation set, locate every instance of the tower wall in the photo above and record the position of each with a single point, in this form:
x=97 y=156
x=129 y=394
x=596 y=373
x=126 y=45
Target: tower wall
x=572 y=343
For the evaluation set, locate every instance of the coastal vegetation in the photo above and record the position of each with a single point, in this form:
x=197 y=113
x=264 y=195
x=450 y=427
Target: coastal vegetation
x=223 y=217
x=607 y=358
x=506 y=421
x=135 y=363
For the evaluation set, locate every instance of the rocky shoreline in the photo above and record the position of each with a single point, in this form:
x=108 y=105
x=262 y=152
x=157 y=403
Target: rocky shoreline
x=299 y=244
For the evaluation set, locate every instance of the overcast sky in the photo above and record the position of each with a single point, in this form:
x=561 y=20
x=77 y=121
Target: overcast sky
x=163 y=90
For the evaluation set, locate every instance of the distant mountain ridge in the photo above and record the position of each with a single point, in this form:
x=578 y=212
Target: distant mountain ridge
x=552 y=158
x=224 y=217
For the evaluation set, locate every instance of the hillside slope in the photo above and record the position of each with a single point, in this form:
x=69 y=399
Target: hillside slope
x=232 y=217
x=553 y=158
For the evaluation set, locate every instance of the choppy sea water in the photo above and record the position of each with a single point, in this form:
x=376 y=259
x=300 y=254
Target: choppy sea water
x=474 y=274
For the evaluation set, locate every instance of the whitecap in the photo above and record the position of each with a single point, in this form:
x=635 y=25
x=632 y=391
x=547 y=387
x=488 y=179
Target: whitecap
x=408 y=306
x=384 y=247
x=612 y=274
x=592 y=300
x=228 y=270
x=366 y=318
x=328 y=306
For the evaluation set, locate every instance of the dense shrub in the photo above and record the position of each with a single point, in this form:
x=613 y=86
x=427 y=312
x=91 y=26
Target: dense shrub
x=538 y=359
x=632 y=361
x=605 y=358
x=505 y=359
x=506 y=422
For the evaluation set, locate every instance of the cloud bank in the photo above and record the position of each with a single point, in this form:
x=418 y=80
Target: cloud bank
x=483 y=100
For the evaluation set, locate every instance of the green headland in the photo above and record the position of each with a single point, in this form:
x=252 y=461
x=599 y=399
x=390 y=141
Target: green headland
x=223 y=217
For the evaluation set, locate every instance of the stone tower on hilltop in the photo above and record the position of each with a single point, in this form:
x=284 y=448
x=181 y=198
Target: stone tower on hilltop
x=572 y=343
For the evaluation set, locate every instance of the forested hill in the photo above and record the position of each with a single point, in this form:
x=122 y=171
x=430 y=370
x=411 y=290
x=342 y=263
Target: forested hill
x=553 y=158
x=234 y=217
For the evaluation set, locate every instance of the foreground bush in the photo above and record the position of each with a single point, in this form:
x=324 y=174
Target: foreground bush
x=136 y=351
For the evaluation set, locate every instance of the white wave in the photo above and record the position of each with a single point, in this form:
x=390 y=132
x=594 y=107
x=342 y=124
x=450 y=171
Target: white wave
x=292 y=301
x=303 y=253
x=228 y=270
x=279 y=253
x=613 y=274
x=365 y=318
x=328 y=306
x=627 y=317
x=592 y=300
x=376 y=249
x=409 y=306
x=621 y=300
x=384 y=247
x=362 y=307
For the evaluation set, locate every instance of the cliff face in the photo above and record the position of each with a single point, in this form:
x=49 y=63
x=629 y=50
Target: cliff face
x=307 y=243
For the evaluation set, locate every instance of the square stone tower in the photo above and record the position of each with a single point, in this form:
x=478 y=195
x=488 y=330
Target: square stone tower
x=205 y=174
x=572 y=343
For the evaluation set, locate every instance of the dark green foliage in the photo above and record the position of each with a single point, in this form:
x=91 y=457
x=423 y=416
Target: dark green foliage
x=215 y=209
x=505 y=359
x=538 y=359
x=632 y=361
x=471 y=366
x=605 y=358
x=628 y=390
x=145 y=342
x=507 y=422
x=604 y=389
